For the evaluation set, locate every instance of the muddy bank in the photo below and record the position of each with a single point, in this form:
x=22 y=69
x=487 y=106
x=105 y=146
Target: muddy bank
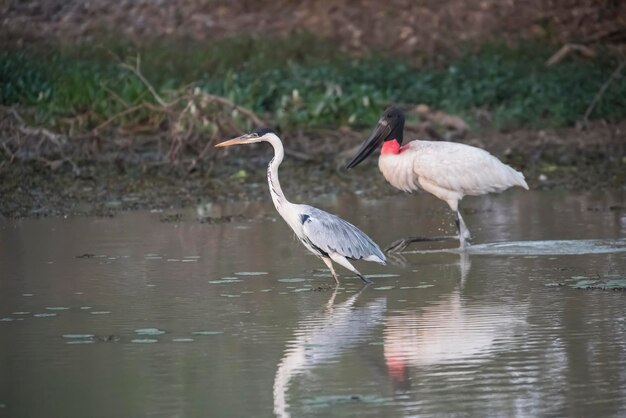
x=565 y=158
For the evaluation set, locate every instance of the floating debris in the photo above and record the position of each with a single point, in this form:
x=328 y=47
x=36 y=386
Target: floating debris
x=149 y=331
x=554 y=284
x=599 y=283
x=174 y=217
x=207 y=332
x=251 y=273
x=72 y=336
x=86 y=255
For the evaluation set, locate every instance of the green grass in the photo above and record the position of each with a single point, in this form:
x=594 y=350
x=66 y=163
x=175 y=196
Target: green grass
x=301 y=82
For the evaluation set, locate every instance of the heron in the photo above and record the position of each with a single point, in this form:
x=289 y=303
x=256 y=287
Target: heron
x=447 y=170
x=324 y=234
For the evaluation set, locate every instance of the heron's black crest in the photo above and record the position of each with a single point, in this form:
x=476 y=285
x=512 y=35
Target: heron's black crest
x=262 y=131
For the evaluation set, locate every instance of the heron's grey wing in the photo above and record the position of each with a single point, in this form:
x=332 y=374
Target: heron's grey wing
x=332 y=234
x=460 y=167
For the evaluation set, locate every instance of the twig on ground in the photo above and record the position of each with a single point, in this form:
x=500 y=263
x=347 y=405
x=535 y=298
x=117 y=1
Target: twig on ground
x=602 y=90
x=568 y=49
x=136 y=70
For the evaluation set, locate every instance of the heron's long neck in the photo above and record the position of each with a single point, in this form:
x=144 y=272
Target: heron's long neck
x=278 y=197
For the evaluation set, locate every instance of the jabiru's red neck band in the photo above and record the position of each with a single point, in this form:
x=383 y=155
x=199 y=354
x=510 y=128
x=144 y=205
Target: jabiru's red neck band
x=391 y=147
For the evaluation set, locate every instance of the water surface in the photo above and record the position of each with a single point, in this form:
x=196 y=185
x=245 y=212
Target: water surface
x=134 y=316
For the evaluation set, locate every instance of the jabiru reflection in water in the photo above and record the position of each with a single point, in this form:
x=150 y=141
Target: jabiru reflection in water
x=447 y=170
x=325 y=235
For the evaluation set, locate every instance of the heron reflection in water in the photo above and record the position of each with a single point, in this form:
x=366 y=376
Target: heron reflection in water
x=322 y=338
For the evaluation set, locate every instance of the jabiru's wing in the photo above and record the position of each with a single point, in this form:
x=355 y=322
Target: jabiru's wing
x=462 y=168
x=331 y=234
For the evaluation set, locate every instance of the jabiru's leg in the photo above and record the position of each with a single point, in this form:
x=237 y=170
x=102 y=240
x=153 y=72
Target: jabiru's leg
x=464 y=234
x=402 y=243
x=339 y=259
x=329 y=264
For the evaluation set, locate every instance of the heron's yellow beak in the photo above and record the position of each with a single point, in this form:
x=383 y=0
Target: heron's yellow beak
x=243 y=139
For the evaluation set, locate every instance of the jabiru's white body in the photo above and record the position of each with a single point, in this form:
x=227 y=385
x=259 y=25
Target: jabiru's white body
x=447 y=170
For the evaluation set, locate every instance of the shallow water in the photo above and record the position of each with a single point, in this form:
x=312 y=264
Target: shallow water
x=132 y=316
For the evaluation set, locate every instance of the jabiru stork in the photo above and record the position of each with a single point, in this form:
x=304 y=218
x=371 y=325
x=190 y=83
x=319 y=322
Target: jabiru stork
x=447 y=170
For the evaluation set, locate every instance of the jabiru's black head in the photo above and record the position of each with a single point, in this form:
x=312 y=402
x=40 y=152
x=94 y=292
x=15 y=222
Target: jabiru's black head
x=390 y=128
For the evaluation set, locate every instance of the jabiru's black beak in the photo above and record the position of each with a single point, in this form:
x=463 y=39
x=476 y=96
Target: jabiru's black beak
x=377 y=137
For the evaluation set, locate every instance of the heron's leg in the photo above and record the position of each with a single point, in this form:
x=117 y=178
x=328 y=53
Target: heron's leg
x=464 y=234
x=339 y=259
x=329 y=264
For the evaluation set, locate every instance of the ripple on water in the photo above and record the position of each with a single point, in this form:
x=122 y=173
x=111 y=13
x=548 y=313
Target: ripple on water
x=100 y=312
x=57 y=308
x=183 y=340
x=548 y=247
x=383 y=288
x=380 y=276
x=292 y=280
x=44 y=315
x=225 y=280
x=7 y=319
